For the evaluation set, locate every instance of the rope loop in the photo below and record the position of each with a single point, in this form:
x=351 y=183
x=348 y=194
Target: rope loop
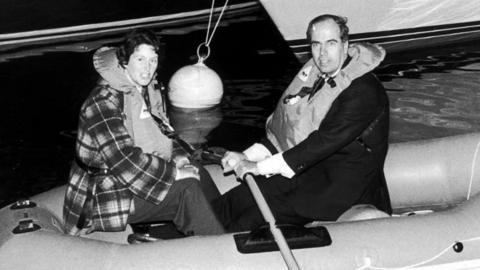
x=206 y=52
x=209 y=36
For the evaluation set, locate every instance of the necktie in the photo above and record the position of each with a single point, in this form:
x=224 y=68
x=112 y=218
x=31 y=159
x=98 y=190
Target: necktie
x=146 y=97
x=317 y=85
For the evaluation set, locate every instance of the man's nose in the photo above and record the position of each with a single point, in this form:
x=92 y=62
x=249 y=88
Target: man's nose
x=322 y=50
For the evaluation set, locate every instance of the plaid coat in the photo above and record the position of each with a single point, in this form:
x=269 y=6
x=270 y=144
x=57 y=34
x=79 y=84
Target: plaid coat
x=104 y=142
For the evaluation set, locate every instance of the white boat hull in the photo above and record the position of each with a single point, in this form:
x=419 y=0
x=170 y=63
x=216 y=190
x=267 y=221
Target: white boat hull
x=111 y=31
x=397 y=25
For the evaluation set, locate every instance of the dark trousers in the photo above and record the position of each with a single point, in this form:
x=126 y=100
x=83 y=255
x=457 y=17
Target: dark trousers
x=238 y=211
x=187 y=205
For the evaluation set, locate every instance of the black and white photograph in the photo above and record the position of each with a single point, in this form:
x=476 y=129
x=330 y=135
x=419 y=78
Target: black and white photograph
x=239 y=134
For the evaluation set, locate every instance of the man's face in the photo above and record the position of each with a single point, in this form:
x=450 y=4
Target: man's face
x=328 y=50
x=142 y=65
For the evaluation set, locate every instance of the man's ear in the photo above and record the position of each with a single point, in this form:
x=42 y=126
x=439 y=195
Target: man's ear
x=345 y=47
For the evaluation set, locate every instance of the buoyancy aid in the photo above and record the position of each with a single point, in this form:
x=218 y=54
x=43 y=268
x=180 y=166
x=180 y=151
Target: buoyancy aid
x=292 y=122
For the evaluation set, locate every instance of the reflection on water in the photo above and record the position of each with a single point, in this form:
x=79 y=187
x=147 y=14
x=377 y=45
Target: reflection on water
x=430 y=97
x=194 y=126
x=248 y=102
x=435 y=98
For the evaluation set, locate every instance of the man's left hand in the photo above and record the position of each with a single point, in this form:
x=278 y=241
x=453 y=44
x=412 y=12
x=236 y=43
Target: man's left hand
x=244 y=167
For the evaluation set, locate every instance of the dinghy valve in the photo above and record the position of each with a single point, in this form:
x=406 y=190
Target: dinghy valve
x=22 y=204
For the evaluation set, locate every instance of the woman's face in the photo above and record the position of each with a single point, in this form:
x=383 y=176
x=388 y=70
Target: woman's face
x=142 y=65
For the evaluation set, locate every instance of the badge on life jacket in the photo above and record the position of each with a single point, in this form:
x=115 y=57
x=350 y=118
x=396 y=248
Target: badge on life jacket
x=144 y=113
x=304 y=73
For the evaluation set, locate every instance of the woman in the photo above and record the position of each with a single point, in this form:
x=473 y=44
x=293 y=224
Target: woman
x=124 y=171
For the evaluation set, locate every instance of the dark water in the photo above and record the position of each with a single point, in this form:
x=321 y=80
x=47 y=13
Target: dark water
x=433 y=93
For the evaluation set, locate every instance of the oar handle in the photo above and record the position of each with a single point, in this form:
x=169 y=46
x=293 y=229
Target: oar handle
x=268 y=216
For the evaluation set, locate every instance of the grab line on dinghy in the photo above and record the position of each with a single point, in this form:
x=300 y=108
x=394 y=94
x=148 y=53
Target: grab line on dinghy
x=472 y=172
x=455 y=246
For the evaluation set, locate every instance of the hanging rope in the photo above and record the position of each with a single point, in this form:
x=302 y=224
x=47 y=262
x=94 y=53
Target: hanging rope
x=208 y=36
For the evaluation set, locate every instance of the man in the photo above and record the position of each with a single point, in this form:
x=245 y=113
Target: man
x=326 y=141
x=125 y=170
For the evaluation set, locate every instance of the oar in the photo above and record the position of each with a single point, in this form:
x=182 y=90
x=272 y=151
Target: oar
x=257 y=195
x=268 y=216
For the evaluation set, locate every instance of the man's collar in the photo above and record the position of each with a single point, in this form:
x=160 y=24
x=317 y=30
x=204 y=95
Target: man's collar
x=346 y=62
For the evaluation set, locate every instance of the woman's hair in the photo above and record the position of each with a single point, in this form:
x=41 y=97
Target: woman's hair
x=340 y=21
x=134 y=39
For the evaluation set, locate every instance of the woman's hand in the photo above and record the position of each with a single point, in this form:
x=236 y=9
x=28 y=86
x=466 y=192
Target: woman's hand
x=180 y=161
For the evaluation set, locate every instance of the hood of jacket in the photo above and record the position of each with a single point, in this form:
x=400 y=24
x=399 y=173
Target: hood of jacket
x=364 y=57
x=106 y=63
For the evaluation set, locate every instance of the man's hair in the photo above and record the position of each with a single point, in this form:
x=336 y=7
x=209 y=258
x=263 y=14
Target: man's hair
x=340 y=21
x=132 y=40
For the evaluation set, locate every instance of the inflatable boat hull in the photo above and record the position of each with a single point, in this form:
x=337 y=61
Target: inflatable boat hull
x=440 y=175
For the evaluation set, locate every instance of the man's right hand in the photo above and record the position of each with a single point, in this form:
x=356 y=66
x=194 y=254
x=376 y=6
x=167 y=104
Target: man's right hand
x=231 y=160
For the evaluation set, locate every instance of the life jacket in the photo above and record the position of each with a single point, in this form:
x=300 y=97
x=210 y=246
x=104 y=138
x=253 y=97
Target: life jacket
x=292 y=122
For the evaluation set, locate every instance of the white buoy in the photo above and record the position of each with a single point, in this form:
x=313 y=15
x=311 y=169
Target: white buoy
x=196 y=87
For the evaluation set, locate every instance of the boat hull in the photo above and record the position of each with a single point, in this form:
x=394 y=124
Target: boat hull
x=90 y=21
x=396 y=25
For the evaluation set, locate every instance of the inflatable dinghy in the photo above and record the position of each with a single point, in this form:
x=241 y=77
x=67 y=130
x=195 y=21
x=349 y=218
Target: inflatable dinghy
x=434 y=187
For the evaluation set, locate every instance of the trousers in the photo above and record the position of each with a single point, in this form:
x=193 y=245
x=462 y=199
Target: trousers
x=238 y=211
x=187 y=205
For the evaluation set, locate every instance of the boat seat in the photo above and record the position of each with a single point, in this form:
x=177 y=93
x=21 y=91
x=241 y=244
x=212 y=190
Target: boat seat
x=153 y=231
x=354 y=213
x=112 y=237
x=362 y=212
x=224 y=182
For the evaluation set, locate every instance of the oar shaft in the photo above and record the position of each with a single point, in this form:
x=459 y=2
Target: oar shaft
x=268 y=215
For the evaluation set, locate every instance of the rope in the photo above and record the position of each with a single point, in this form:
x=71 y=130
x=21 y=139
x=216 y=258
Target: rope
x=368 y=264
x=472 y=171
x=207 y=40
x=209 y=36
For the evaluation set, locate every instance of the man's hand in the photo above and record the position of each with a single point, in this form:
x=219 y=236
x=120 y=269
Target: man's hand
x=231 y=160
x=244 y=167
x=187 y=171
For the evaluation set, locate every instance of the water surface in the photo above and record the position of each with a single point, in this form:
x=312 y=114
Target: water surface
x=433 y=93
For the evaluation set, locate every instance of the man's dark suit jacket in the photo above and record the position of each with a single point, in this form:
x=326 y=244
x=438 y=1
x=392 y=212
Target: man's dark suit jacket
x=341 y=164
